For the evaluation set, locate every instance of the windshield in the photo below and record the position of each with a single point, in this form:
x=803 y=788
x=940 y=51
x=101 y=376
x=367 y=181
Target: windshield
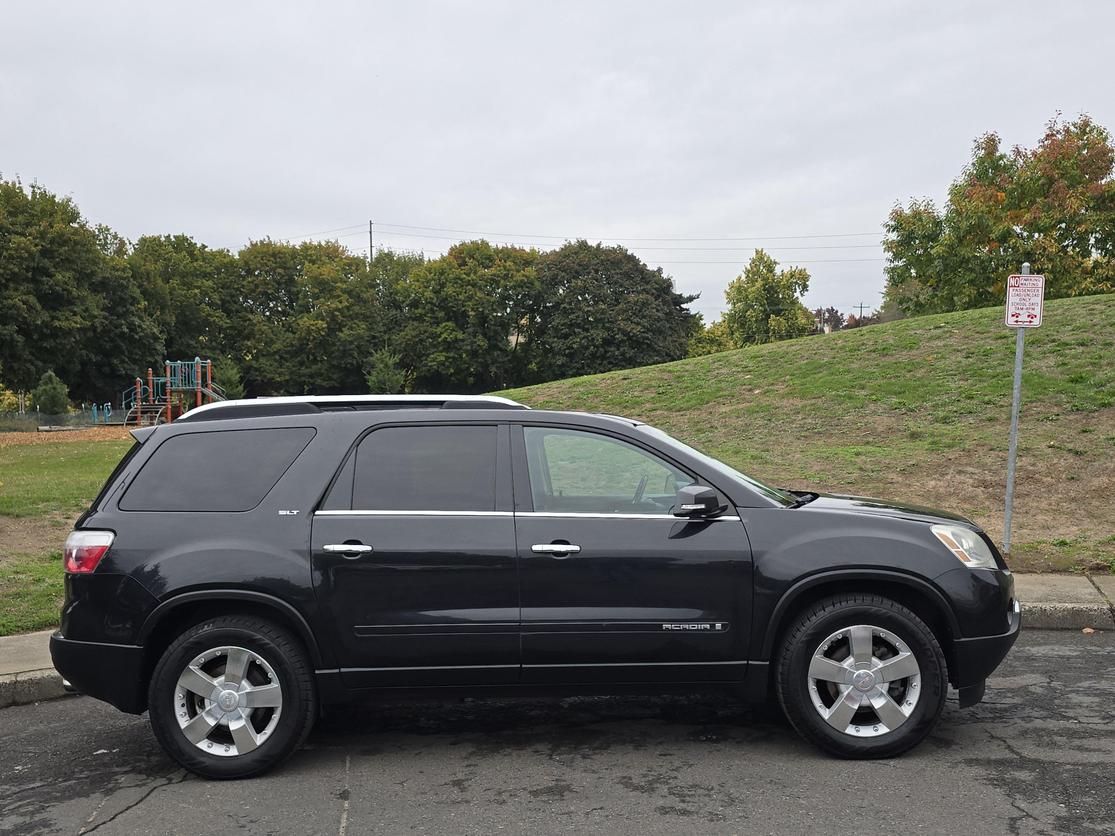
x=715 y=464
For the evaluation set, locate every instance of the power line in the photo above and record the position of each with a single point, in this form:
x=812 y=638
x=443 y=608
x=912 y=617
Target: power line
x=391 y=233
x=327 y=231
x=736 y=262
x=630 y=238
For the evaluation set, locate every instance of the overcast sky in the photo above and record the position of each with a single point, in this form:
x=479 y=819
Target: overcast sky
x=774 y=122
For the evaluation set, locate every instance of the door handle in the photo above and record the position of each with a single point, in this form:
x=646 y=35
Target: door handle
x=349 y=550
x=555 y=548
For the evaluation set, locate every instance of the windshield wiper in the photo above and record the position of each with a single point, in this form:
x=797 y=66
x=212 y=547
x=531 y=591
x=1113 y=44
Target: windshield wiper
x=803 y=498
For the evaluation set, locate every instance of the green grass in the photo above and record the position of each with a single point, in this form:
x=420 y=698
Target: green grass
x=917 y=409
x=30 y=592
x=43 y=487
x=41 y=479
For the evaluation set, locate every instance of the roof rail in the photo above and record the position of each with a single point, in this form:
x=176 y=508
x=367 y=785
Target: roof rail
x=311 y=404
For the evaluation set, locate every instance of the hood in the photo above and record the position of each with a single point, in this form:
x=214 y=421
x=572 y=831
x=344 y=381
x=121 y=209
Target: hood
x=883 y=508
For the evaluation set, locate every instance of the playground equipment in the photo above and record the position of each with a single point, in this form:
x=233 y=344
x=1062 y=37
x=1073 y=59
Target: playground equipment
x=162 y=398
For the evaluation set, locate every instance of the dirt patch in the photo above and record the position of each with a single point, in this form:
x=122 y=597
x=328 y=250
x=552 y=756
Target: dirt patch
x=33 y=535
x=63 y=437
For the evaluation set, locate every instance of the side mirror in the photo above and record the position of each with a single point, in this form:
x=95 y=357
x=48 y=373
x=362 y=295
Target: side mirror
x=696 y=501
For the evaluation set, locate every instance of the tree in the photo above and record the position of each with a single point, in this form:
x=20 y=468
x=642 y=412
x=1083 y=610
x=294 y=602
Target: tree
x=710 y=339
x=123 y=339
x=830 y=317
x=601 y=308
x=309 y=314
x=764 y=302
x=192 y=292
x=48 y=256
x=226 y=374
x=1053 y=205
x=384 y=375
x=69 y=302
x=469 y=318
x=51 y=397
x=854 y=321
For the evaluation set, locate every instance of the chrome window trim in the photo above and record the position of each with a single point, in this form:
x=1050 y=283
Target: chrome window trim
x=600 y=516
x=541 y=514
x=355 y=513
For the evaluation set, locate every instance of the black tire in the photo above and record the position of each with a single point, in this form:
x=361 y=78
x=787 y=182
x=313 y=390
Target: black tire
x=287 y=659
x=813 y=627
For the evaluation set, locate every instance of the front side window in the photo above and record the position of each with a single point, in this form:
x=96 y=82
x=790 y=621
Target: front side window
x=436 y=468
x=581 y=472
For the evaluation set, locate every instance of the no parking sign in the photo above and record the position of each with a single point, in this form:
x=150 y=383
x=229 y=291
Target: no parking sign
x=1025 y=300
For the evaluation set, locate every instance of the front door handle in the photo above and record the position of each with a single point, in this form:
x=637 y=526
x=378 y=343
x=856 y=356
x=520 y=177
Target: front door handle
x=349 y=550
x=555 y=548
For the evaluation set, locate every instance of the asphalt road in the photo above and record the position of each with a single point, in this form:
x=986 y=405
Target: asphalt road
x=1038 y=756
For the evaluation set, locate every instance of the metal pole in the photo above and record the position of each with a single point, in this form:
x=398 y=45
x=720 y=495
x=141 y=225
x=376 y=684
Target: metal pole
x=371 y=245
x=1016 y=402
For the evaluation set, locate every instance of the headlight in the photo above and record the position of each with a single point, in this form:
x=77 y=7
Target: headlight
x=968 y=546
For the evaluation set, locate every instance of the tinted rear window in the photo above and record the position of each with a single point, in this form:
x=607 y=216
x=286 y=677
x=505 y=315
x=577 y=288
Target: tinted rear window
x=441 y=468
x=216 y=471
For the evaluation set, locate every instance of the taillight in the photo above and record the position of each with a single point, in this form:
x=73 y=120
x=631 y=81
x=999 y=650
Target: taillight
x=84 y=550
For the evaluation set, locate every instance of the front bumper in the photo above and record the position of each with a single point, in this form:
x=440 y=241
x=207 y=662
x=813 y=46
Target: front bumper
x=109 y=672
x=975 y=659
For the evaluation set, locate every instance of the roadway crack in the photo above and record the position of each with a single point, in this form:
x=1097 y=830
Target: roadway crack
x=1108 y=601
x=170 y=780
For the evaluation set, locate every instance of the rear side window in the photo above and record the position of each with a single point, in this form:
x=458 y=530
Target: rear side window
x=442 y=468
x=215 y=471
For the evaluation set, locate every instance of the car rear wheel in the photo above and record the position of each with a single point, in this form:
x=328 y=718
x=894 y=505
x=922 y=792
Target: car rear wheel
x=232 y=697
x=861 y=676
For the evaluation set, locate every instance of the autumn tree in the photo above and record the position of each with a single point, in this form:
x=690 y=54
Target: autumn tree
x=1052 y=205
x=764 y=303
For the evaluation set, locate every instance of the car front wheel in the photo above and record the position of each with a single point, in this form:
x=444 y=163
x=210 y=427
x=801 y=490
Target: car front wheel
x=861 y=676
x=232 y=697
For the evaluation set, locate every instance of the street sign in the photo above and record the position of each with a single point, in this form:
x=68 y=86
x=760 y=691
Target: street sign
x=1025 y=298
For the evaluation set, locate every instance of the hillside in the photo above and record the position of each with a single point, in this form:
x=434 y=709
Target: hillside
x=914 y=410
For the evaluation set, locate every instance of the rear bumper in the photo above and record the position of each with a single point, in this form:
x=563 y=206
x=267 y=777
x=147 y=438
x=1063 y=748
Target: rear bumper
x=109 y=672
x=975 y=659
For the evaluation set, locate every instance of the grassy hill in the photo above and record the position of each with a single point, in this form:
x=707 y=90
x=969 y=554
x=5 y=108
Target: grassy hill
x=914 y=410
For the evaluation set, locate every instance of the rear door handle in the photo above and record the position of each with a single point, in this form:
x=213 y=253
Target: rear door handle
x=349 y=550
x=555 y=548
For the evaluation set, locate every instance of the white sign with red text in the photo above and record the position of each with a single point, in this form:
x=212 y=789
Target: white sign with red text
x=1025 y=300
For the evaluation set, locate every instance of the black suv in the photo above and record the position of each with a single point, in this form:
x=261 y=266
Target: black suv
x=256 y=560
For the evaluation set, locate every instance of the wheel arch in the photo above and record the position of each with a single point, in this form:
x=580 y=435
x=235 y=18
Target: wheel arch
x=920 y=596
x=174 y=615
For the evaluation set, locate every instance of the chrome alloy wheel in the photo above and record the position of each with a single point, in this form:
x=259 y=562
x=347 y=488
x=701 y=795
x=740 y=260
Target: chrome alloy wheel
x=864 y=681
x=227 y=701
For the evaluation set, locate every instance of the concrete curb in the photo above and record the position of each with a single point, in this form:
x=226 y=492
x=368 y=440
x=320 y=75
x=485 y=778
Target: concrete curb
x=1067 y=617
x=30 y=686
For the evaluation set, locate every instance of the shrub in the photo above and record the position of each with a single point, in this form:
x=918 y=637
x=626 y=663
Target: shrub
x=51 y=397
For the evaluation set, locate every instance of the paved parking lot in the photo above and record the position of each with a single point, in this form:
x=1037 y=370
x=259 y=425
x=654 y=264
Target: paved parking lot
x=1037 y=757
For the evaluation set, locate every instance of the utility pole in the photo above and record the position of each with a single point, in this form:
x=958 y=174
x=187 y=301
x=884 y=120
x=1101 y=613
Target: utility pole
x=861 y=306
x=371 y=245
